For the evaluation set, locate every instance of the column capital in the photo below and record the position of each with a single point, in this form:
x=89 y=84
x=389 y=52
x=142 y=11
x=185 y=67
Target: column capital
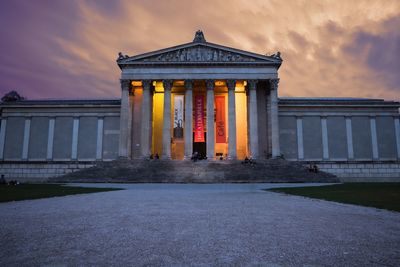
x=167 y=84
x=125 y=84
x=252 y=84
x=210 y=84
x=274 y=83
x=146 y=84
x=231 y=84
x=189 y=84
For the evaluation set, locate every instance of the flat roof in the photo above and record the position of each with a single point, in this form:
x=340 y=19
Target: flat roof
x=51 y=102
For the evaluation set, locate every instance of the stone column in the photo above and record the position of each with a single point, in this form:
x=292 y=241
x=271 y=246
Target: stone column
x=166 y=140
x=231 y=119
x=274 y=118
x=145 y=131
x=130 y=123
x=188 y=119
x=253 y=123
x=210 y=119
x=124 y=133
x=2 y=136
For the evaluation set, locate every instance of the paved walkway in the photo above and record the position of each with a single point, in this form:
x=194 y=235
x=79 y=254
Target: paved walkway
x=204 y=225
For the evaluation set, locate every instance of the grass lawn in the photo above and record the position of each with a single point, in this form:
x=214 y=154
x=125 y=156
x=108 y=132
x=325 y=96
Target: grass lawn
x=34 y=191
x=378 y=195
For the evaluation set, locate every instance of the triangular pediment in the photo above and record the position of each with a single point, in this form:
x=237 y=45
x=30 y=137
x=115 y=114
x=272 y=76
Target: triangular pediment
x=199 y=53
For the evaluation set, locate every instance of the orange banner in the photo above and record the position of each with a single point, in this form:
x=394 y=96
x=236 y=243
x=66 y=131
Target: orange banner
x=220 y=119
x=198 y=119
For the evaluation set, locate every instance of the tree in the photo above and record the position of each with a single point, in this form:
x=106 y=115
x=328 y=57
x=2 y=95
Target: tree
x=12 y=96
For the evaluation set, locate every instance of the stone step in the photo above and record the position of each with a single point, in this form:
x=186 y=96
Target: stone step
x=171 y=171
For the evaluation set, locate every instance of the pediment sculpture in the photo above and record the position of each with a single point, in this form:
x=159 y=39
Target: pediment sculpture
x=199 y=54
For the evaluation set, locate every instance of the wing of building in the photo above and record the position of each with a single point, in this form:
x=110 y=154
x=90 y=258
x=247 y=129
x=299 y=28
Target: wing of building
x=200 y=98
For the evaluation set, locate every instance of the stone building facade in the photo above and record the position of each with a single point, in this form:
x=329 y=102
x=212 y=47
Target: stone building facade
x=175 y=100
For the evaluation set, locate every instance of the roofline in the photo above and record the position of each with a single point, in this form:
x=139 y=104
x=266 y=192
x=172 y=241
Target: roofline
x=274 y=61
x=323 y=102
x=62 y=103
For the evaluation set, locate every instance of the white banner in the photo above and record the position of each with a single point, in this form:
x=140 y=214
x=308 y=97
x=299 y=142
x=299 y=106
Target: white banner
x=178 y=116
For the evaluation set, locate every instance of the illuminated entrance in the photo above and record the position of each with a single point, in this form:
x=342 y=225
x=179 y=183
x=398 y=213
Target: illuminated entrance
x=199 y=119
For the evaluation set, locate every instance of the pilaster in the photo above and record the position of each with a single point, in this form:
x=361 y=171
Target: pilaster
x=397 y=134
x=300 y=146
x=75 y=131
x=325 y=144
x=50 y=139
x=2 y=137
x=99 y=141
x=25 y=145
x=374 y=139
x=349 y=136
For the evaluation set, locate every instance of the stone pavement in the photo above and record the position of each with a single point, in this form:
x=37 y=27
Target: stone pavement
x=202 y=225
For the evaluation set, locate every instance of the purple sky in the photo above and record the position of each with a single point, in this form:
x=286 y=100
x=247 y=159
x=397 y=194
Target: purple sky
x=67 y=49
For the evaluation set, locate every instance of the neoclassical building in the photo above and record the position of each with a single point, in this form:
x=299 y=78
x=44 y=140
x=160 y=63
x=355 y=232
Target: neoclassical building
x=206 y=98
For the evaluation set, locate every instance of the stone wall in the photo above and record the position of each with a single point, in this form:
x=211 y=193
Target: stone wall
x=367 y=171
x=39 y=171
x=339 y=130
x=346 y=171
x=59 y=131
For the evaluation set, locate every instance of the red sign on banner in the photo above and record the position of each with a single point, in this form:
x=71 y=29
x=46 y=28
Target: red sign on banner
x=220 y=119
x=198 y=119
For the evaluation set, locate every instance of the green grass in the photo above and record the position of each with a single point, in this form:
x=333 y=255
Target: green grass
x=378 y=195
x=35 y=191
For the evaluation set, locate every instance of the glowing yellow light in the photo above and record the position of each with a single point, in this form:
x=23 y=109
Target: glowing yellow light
x=179 y=83
x=158 y=107
x=219 y=83
x=158 y=87
x=241 y=124
x=136 y=83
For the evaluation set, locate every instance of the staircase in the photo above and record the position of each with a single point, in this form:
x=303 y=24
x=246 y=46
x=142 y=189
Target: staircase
x=171 y=171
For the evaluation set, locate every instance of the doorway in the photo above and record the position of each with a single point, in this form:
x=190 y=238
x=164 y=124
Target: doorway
x=200 y=147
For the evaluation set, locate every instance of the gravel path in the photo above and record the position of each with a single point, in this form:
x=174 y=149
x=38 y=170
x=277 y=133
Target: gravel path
x=201 y=225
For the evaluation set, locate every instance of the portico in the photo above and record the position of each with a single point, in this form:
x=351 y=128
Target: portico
x=199 y=97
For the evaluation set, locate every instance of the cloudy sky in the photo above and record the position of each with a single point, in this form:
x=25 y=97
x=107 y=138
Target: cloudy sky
x=67 y=48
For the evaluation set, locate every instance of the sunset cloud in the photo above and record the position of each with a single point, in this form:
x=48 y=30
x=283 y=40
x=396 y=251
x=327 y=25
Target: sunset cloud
x=67 y=49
